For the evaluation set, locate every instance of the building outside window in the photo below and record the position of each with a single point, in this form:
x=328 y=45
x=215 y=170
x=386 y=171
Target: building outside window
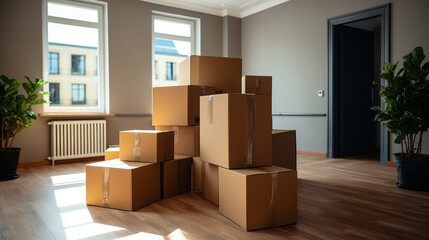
x=78 y=64
x=78 y=93
x=170 y=71
x=174 y=38
x=54 y=63
x=77 y=31
x=54 y=93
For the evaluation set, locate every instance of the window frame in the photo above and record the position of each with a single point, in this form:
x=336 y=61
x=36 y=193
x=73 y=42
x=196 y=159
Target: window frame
x=103 y=62
x=194 y=39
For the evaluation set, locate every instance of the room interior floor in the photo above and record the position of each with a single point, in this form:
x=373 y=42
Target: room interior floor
x=337 y=199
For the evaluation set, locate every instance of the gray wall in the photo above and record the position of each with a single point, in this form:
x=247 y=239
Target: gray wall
x=129 y=56
x=289 y=42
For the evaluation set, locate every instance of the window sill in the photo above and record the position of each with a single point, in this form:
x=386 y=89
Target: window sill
x=75 y=115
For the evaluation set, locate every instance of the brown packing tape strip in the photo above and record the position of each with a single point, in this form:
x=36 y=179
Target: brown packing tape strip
x=250 y=129
x=258 y=84
x=137 y=147
x=210 y=108
x=273 y=199
x=106 y=187
x=176 y=134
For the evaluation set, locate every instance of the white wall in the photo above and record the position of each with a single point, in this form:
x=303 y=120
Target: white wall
x=289 y=42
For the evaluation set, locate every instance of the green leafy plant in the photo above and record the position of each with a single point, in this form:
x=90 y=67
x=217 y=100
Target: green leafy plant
x=406 y=97
x=16 y=101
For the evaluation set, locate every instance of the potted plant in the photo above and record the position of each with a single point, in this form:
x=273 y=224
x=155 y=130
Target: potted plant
x=16 y=101
x=406 y=115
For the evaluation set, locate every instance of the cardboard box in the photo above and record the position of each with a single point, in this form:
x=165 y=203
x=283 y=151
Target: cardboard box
x=235 y=130
x=221 y=73
x=284 y=148
x=256 y=84
x=178 y=105
x=111 y=153
x=146 y=145
x=122 y=185
x=176 y=176
x=186 y=139
x=205 y=180
x=257 y=198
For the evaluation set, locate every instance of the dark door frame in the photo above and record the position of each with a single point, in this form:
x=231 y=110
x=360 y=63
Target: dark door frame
x=382 y=11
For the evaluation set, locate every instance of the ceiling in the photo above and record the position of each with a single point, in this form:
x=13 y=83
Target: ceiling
x=236 y=8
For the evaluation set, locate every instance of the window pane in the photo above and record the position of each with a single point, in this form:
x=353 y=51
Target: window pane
x=78 y=65
x=72 y=12
x=78 y=93
x=73 y=35
x=54 y=63
x=172 y=28
x=54 y=93
x=76 y=55
x=168 y=54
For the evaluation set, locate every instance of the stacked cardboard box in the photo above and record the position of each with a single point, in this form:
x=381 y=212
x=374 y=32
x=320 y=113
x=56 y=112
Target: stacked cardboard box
x=236 y=136
x=145 y=171
x=229 y=140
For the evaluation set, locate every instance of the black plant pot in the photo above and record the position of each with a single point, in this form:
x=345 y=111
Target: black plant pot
x=9 y=164
x=413 y=173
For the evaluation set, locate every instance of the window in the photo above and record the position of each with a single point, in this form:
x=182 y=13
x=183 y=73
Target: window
x=174 y=38
x=78 y=93
x=54 y=63
x=76 y=31
x=170 y=71
x=54 y=93
x=78 y=64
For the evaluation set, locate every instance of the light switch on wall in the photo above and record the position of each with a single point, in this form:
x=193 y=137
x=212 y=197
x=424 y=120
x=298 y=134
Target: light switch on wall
x=320 y=93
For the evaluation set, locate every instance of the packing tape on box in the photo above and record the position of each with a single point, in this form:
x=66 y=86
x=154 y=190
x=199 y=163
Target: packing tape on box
x=202 y=91
x=137 y=146
x=258 y=82
x=273 y=199
x=106 y=187
x=176 y=134
x=250 y=129
x=210 y=108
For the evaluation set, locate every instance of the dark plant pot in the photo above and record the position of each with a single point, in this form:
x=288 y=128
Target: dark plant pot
x=413 y=173
x=9 y=164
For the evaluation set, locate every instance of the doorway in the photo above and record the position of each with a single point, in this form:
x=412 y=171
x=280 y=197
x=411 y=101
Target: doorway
x=358 y=46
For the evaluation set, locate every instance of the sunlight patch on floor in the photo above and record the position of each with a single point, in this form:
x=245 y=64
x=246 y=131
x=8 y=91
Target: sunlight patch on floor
x=90 y=230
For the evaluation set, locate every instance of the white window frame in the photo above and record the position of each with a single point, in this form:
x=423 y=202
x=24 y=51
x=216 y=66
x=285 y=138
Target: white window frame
x=194 y=39
x=103 y=62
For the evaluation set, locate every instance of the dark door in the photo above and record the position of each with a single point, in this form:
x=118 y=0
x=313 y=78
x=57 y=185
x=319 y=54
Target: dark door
x=357 y=129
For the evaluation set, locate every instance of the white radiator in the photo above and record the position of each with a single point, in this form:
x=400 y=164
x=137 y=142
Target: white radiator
x=77 y=139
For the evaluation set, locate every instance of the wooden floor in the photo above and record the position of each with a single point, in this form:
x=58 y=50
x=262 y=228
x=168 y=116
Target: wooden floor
x=337 y=199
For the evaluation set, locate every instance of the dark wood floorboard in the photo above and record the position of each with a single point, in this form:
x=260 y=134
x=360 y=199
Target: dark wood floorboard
x=337 y=199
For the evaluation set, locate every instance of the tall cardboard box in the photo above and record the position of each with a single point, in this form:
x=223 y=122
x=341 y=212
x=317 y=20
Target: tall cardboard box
x=146 y=145
x=176 y=176
x=205 y=180
x=256 y=84
x=186 y=139
x=177 y=105
x=284 y=148
x=111 y=153
x=257 y=198
x=122 y=185
x=222 y=73
x=235 y=130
